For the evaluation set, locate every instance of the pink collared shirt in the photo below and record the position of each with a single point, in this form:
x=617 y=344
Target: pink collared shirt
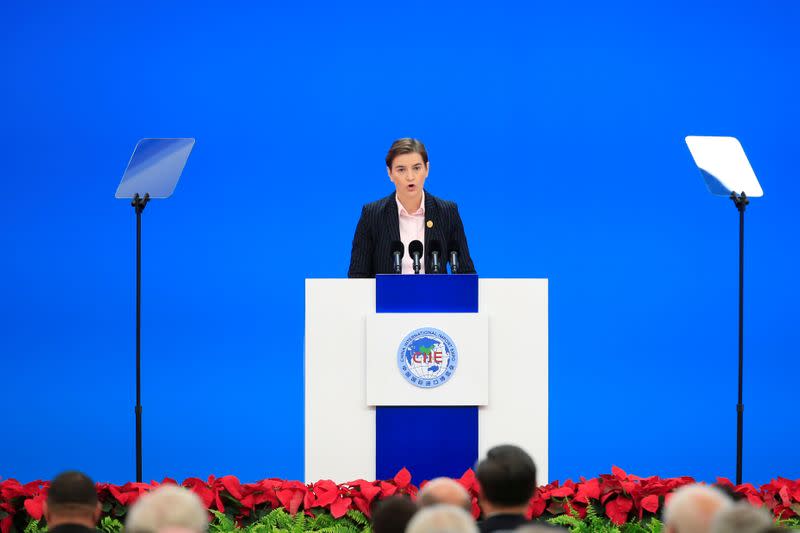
x=412 y=227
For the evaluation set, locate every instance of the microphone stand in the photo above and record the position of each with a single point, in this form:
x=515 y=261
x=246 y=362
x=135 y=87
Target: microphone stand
x=741 y=202
x=454 y=266
x=139 y=204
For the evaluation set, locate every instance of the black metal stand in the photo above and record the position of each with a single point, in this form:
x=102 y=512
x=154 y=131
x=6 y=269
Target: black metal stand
x=138 y=204
x=741 y=202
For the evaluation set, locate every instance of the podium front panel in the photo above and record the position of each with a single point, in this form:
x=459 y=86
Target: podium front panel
x=427 y=359
x=340 y=428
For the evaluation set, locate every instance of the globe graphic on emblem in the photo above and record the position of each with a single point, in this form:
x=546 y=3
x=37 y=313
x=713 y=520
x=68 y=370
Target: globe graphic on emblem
x=427 y=357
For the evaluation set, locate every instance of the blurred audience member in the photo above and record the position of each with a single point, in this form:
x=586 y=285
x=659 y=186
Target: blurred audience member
x=447 y=491
x=393 y=514
x=442 y=519
x=167 y=509
x=741 y=518
x=71 y=505
x=692 y=509
x=507 y=477
x=539 y=527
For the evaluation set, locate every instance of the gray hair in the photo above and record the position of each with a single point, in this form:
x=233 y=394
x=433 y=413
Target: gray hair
x=442 y=519
x=444 y=490
x=536 y=528
x=167 y=507
x=692 y=508
x=742 y=518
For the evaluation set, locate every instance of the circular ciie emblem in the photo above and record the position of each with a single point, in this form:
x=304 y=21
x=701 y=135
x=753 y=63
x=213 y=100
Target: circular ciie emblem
x=427 y=357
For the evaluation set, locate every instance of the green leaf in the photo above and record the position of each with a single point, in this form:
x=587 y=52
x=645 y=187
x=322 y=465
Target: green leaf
x=33 y=527
x=110 y=525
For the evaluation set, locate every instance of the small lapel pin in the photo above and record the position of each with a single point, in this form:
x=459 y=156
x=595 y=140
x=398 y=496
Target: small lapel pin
x=429 y=224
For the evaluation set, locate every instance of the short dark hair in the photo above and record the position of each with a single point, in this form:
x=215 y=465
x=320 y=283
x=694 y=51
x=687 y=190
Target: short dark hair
x=393 y=514
x=406 y=145
x=72 y=488
x=507 y=476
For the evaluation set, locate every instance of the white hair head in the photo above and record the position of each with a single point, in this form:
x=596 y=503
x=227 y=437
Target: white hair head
x=692 y=508
x=742 y=518
x=444 y=490
x=442 y=519
x=168 y=507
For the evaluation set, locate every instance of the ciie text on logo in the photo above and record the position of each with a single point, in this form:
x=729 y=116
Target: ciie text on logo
x=427 y=357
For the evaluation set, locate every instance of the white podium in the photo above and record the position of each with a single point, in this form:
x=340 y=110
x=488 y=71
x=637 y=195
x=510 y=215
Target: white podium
x=340 y=434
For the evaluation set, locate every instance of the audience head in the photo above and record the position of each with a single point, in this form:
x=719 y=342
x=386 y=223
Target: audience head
x=71 y=499
x=393 y=514
x=167 y=508
x=692 y=509
x=539 y=528
x=442 y=519
x=444 y=490
x=507 y=477
x=741 y=518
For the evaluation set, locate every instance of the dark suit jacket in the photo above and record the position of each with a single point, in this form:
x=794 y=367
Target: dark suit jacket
x=502 y=522
x=510 y=522
x=379 y=225
x=72 y=528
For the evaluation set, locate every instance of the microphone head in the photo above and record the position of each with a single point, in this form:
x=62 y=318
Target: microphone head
x=415 y=247
x=397 y=246
x=434 y=246
x=452 y=246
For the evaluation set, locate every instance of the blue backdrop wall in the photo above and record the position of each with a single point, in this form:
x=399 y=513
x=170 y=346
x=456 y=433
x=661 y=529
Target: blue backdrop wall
x=558 y=128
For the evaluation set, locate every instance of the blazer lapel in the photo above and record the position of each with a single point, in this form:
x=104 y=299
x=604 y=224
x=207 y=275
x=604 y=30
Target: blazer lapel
x=432 y=232
x=392 y=218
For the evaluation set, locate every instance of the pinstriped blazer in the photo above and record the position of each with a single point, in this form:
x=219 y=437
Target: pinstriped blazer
x=379 y=225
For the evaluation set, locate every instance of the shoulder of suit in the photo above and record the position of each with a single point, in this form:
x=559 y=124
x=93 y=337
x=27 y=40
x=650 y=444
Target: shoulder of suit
x=441 y=203
x=379 y=205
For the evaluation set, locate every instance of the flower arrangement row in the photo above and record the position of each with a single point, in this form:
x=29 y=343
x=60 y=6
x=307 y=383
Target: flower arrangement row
x=621 y=497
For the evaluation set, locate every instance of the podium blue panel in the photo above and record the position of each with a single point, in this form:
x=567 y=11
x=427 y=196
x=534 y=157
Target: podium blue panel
x=429 y=441
x=426 y=293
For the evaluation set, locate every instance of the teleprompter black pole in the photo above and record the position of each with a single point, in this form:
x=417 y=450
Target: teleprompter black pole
x=138 y=204
x=741 y=202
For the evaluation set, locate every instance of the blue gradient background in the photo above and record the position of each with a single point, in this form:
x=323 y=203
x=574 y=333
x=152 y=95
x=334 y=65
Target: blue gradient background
x=558 y=128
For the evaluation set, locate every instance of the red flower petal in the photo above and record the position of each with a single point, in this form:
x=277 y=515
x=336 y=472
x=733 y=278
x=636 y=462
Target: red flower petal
x=468 y=480
x=5 y=524
x=724 y=482
x=369 y=491
x=650 y=503
x=362 y=505
x=536 y=507
x=232 y=485
x=618 y=473
x=617 y=510
x=402 y=478
x=340 y=507
x=34 y=507
x=562 y=492
x=387 y=489
x=588 y=489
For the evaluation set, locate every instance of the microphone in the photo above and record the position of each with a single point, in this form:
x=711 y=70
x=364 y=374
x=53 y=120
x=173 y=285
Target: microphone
x=435 y=249
x=397 y=256
x=415 y=251
x=453 y=247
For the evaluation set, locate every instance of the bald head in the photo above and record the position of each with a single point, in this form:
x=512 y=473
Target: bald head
x=444 y=490
x=692 y=509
